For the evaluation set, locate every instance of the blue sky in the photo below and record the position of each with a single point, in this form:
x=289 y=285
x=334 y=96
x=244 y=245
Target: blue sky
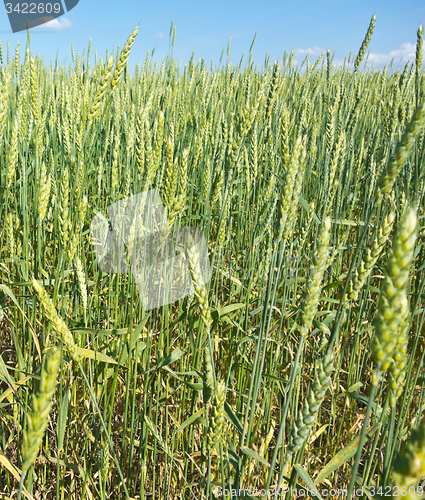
x=306 y=25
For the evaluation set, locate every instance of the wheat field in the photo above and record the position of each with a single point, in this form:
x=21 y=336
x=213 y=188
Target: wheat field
x=298 y=368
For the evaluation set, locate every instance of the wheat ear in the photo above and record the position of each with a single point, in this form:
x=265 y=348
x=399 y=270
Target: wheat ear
x=311 y=406
x=122 y=60
x=58 y=323
x=392 y=302
x=402 y=152
x=41 y=405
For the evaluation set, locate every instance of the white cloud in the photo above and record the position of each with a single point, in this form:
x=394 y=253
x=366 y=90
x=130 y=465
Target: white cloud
x=315 y=51
x=407 y=52
x=58 y=24
x=159 y=35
